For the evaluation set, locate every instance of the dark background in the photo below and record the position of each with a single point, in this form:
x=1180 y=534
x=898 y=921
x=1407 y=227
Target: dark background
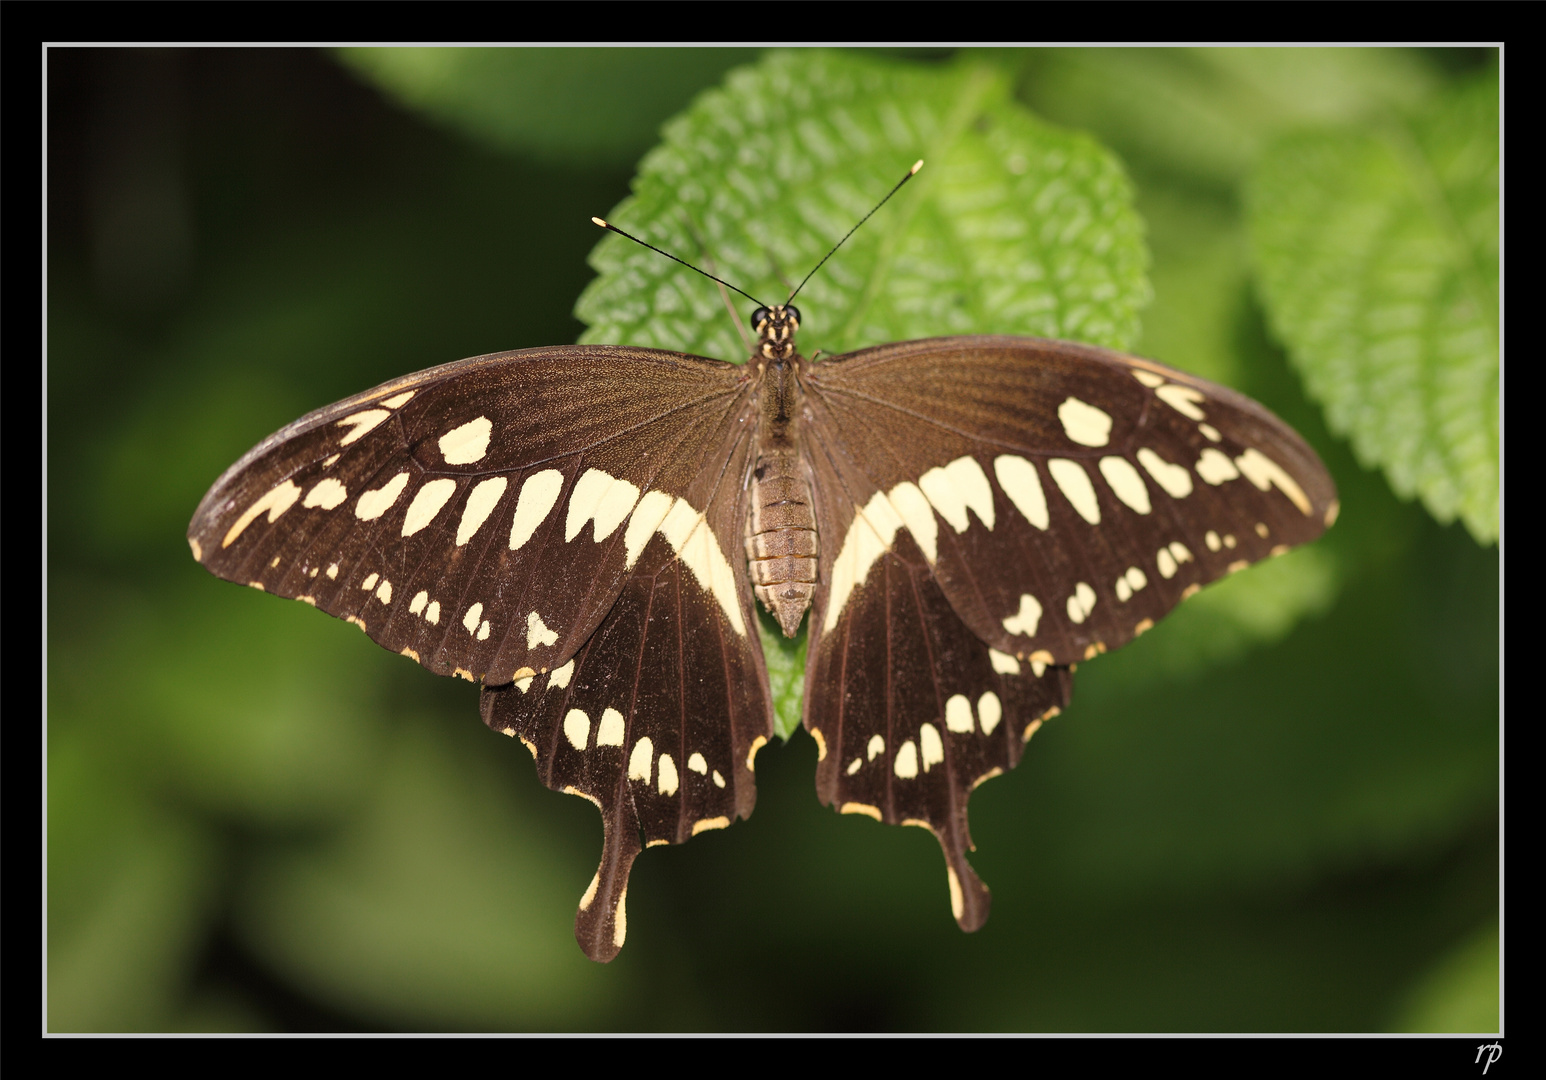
x=256 y=822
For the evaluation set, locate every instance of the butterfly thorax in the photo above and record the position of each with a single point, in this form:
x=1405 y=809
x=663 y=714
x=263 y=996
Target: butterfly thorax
x=781 y=545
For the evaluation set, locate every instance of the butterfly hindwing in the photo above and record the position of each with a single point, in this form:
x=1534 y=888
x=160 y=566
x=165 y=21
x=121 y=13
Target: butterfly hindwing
x=657 y=720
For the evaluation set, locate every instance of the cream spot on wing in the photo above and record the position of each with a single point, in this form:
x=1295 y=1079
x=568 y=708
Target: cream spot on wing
x=570 y=789
x=751 y=758
x=537 y=632
x=373 y=504
x=668 y=779
x=1179 y=551
x=561 y=676
x=1123 y=590
x=1183 y=399
x=1211 y=538
x=274 y=563
x=912 y=506
x=327 y=493
x=416 y=605
x=329 y=461
x=538 y=496
x=474 y=613
x=1261 y=530
x=198 y=551
x=646 y=518
x=958 y=714
x=1174 y=480
x=1331 y=513
x=696 y=545
x=821 y=743
x=524 y=685
x=1136 y=578
x=480 y=504
x=275 y=502
x=370 y=582
x=957 y=899
x=610 y=731
x=1190 y=591
x=356 y=620
x=854 y=766
x=1215 y=467
x=1210 y=432
x=861 y=808
x=706 y=824
x=463 y=673
x=1019 y=480
x=1085 y=424
x=468 y=443
x=332 y=571
x=427 y=502
x=1237 y=566
x=531 y=747
x=697 y=764
x=639 y=761
x=590 y=892
x=1038 y=666
x=932 y=745
x=483 y=629
x=1148 y=378
x=906 y=765
x=409 y=653
x=400 y=400
x=1262 y=471
x=432 y=613
x=956 y=488
x=384 y=592
x=869 y=537
x=876 y=747
x=1229 y=540
x=1003 y=663
x=1075 y=485
x=1027 y=618
x=312 y=600
x=602 y=498
x=1126 y=482
x=1081 y=603
x=1166 y=563
x=620 y=919
x=362 y=423
x=719 y=781
x=990 y=710
x=577 y=728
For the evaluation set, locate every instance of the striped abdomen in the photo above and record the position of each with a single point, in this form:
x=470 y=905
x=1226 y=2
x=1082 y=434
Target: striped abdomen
x=781 y=544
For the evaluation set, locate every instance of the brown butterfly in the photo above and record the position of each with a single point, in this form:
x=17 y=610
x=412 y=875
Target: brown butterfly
x=964 y=517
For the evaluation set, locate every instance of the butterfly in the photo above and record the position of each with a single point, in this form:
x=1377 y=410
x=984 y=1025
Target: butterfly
x=585 y=531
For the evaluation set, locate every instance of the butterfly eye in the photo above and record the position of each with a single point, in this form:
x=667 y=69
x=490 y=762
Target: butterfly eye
x=760 y=317
x=792 y=313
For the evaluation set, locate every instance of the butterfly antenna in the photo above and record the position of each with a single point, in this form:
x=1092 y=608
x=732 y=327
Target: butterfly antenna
x=910 y=174
x=613 y=228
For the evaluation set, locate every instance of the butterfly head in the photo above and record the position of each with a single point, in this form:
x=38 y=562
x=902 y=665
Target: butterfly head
x=775 y=328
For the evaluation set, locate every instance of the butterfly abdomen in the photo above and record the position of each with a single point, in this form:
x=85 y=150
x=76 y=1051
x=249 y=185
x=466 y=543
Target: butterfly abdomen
x=781 y=543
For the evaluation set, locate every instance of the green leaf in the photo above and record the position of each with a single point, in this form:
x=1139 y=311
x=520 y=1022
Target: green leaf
x=577 y=106
x=1377 y=252
x=1013 y=227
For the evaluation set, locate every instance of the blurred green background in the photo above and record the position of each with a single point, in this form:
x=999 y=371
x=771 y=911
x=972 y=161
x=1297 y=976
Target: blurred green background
x=1276 y=812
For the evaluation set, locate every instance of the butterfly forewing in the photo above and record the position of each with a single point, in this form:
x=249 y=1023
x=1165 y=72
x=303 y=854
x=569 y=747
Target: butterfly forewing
x=479 y=517
x=1066 y=497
